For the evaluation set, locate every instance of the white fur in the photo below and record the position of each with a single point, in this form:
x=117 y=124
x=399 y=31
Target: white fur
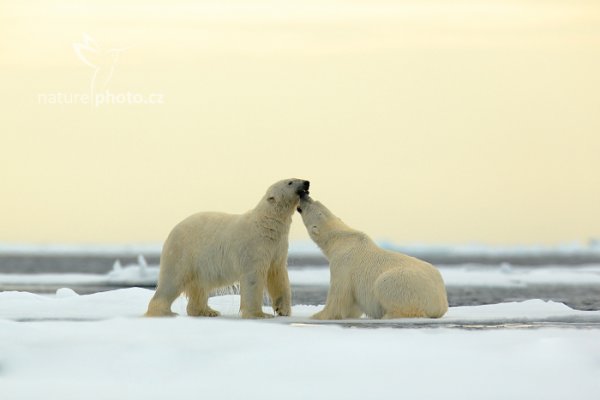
x=211 y=250
x=367 y=279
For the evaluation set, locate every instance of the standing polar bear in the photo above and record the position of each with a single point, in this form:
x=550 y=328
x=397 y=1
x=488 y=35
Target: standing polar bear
x=367 y=279
x=211 y=250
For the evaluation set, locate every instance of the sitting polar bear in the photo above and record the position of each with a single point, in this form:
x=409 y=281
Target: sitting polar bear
x=367 y=279
x=211 y=250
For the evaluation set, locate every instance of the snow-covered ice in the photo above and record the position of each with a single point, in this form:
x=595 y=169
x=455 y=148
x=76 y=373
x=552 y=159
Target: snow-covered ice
x=481 y=275
x=69 y=346
x=142 y=274
x=124 y=356
x=132 y=302
x=505 y=275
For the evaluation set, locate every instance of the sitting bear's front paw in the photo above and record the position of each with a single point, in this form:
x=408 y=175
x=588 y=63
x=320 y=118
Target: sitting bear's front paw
x=325 y=315
x=320 y=315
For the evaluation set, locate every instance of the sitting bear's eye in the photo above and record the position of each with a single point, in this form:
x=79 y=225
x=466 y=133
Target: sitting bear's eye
x=290 y=182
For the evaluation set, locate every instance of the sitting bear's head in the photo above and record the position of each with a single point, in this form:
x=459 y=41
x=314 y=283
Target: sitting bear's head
x=316 y=217
x=285 y=194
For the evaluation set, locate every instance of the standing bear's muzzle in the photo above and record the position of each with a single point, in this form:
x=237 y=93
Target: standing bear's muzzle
x=303 y=190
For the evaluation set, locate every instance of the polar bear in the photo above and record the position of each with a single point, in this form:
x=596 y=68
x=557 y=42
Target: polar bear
x=367 y=279
x=211 y=250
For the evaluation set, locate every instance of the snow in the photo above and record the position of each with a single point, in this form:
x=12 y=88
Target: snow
x=140 y=274
x=132 y=302
x=481 y=275
x=98 y=347
x=505 y=275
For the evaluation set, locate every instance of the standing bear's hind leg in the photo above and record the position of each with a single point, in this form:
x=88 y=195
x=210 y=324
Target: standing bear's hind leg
x=160 y=305
x=198 y=301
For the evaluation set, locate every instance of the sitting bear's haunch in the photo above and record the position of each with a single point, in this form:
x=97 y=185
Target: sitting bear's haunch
x=211 y=250
x=367 y=279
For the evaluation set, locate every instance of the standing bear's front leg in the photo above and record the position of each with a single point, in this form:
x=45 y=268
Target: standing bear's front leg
x=278 y=286
x=252 y=285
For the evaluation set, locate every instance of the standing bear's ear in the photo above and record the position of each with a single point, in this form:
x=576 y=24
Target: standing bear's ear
x=315 y=230
x=273 y=197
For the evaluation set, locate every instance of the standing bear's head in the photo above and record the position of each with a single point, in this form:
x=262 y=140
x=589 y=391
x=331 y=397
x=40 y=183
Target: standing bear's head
x=283 y=196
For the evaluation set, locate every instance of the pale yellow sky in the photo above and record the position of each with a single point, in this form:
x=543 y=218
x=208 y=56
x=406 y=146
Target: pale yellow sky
x=416 y=121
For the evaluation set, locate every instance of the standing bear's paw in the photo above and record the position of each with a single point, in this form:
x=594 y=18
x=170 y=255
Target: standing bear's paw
x=282 y=308
x=256 y=315
x=283 y=311
x=208 y=312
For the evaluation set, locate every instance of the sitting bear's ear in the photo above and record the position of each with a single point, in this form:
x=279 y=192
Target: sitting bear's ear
x=315 y=230
x=271 y=199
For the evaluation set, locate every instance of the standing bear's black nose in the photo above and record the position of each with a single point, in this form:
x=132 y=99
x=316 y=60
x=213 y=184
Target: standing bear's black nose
x=306 y=184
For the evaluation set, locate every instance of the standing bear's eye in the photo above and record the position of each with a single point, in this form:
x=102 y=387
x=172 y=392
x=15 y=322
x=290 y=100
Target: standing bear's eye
x=290 y=183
